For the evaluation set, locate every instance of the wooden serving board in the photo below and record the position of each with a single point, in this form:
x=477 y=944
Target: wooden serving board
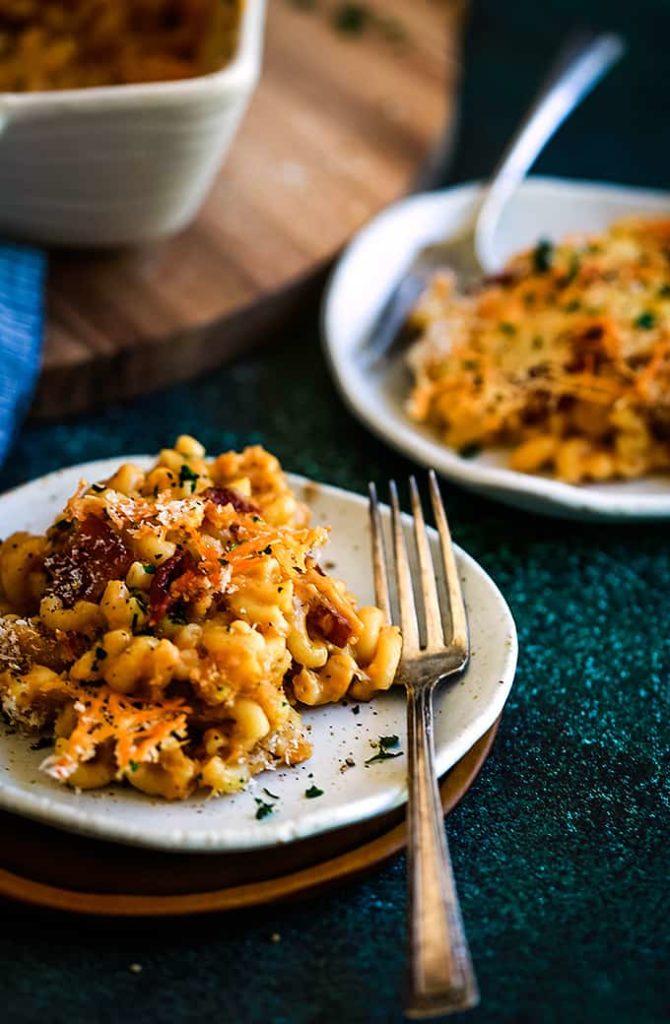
x=345 y=120
x=48 y=868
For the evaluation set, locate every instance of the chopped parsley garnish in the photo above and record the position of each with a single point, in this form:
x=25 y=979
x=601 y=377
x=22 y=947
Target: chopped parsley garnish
x=263 y=809
x=469 y=451
x=100 y=653
x=133 y=765
x=271 y=795
x=224 y=561
x=507 y=328
x=186 y=474
x=543 y=256
x=386 y=749
x=267 y=550
x=313 y=792
x=149 y=569
x=645 y=321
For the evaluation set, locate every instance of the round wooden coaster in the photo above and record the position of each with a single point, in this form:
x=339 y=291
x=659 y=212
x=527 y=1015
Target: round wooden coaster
x=49 y=868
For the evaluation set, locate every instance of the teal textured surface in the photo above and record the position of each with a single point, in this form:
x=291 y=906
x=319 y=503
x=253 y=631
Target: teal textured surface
x=561 y=846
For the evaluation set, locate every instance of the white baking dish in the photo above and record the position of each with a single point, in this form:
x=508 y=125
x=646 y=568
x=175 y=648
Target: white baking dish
x=121 y=164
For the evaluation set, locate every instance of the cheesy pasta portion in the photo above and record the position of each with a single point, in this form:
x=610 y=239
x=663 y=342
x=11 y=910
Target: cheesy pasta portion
x=169 y=624
x=564 y=357
x=48 y=44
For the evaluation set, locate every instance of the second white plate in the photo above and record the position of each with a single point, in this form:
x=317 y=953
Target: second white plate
x=376 y=259
x=465 y=710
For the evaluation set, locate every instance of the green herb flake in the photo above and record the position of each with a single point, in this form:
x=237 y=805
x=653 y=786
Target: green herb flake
x=133 y=765
x=469 y=451
x=263 y=810
x=507 y=328
x=187 y=475
x=543 y=256
x=386 y=749
x=313 y=792
x=271 y=795
x=645 y=321
x=389 y=741
x=149 y=569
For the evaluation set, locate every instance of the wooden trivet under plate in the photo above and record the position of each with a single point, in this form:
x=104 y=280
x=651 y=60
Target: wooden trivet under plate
x=347 y=118
x=49 y=868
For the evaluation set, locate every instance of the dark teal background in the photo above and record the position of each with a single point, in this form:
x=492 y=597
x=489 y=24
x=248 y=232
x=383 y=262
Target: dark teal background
x=560 y=848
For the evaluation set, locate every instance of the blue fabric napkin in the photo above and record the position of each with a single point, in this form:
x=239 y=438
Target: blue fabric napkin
x=22 y=272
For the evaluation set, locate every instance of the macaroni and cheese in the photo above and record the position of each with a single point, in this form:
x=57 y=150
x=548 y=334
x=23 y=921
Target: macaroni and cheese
x=169 y=624
x=48 y=44
x=564 y=357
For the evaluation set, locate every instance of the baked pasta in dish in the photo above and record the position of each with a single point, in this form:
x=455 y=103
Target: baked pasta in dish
x=169 y=624
x=48 y=44
x=564 y=357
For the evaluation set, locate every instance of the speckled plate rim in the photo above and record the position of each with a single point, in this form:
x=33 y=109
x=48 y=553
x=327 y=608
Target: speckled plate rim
x=58 y=807
x=377 y=256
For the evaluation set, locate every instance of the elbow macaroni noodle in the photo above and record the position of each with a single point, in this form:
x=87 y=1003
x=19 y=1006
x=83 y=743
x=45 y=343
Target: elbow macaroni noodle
x=169 y=625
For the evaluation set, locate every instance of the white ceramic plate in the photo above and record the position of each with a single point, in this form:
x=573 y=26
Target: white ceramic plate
x=465 y=710
x=377 y=258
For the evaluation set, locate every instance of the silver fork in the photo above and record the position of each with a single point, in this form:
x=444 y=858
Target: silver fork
x=435 y=646
x=582 y=62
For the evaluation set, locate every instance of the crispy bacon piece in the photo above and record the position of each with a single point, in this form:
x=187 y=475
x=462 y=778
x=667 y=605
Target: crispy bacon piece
x=229 y=496
x=85 y=558
x=330 y=624
x=160 y=597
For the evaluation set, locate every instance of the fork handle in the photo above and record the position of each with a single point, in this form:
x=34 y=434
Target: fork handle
x=442 y=978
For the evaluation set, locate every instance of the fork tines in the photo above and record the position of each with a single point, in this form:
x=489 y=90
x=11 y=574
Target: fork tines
x=427 y=629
